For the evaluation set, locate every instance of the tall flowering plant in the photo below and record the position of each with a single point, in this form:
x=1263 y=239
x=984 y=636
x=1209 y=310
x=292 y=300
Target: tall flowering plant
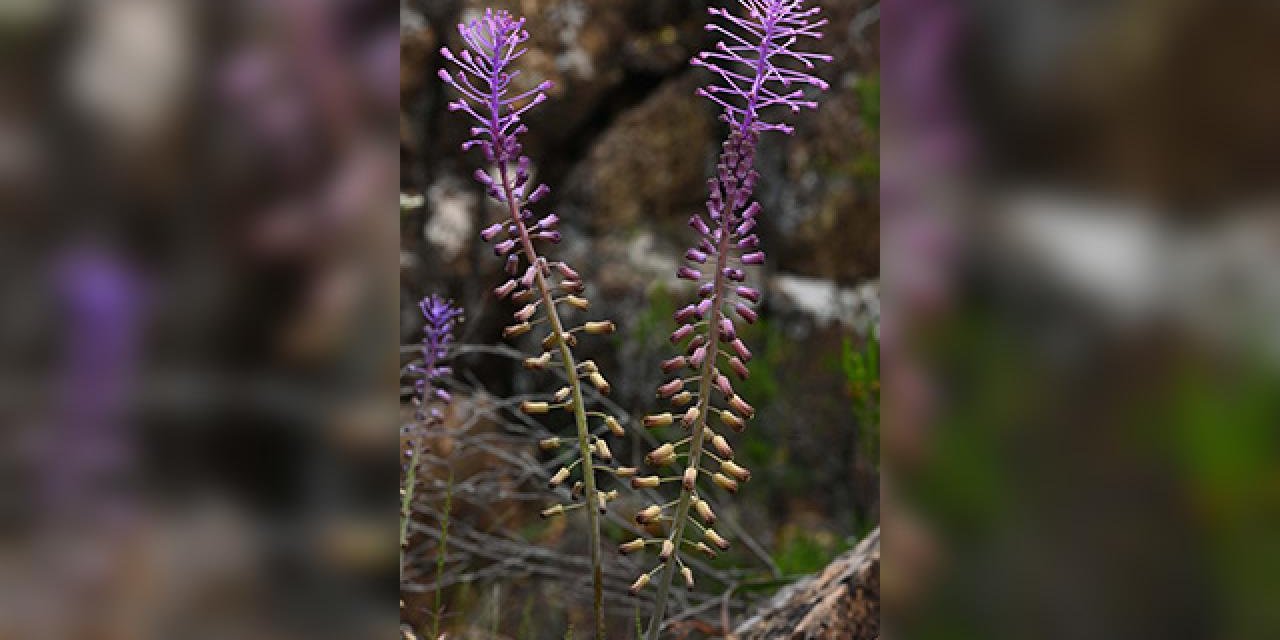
x=762 y=74
x=485 y=79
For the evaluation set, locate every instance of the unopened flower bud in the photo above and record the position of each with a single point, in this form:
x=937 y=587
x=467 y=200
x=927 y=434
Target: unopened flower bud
x=721 y=543
x=526 y=312
x=600 y=383
x=704 y=511
x=562 y=394
x=626 y=472
x=538 y=363
x=668 y=548
x=572 y=286
x=553 y=511
x=602 y=501
x=690 y=417
x=690 y=478
x=670 y=388
x=739 y=368
x=516 y=330
x=505 y=288
x=745 y=313
x=549 y=444
x=721 y=445
x=581 y=304
x=708 y=551
x=687 y=574
x=681 y=399
x=662 y=456
x=722 y=383
x=678 y=362
x=698 y=356
x=739 y=405
x=648 y=514
x=731 y=420
x=534 y=408
x=576 y=490
x=567 y=271
x=658 y=420
x=725 y=482
x=680 y=334
x=740 y=348
x=559 y=477
x=600 y=328
x=614 y=426
x=639 y=584
x=588 y=366
x=742 y=474
x=631 y=546
x=646 y=482
x=602 y=450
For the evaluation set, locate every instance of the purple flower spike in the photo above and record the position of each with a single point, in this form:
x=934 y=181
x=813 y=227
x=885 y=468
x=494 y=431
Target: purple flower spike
x=484 y=80
x=759 y=63
x=439 y=318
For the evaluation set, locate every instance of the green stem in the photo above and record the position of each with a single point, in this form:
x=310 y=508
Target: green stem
x=441 y=554
x=579 y=407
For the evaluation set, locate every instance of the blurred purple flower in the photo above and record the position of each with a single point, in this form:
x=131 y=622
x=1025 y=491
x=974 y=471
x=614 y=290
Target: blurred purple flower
x=440 y=316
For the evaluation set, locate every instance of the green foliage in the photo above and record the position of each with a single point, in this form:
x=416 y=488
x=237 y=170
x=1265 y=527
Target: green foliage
x=805 y=552
x=862 y=374
x=868 y=90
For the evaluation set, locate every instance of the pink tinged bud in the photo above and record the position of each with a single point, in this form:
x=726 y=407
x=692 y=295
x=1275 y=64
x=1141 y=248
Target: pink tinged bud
x=705 y=289
x=668 y=548
x=539 y=193
x=748 y=293
x=726 y=483
x=750 y=242
x=553 y=237
x=704 y=307
x=526 y=312
x=755 y=257
x=690 y=417
x=662 y=456
x=693 y=255
x=745 y=313
x=721 y=445
x=727 y=329
x=484 y=178
x=739 y=405
x=567 y=271
x=690 y=478
x=741 y=349
x=704 y=511
x=752 y=210
x=671 y=388
x=529 y=275
x=687 y=273
x=674 y=364
x=658 y=420
x=746 y=227
x=739 y=368
x=740 y=473
x=491 y=231
x=504 y=247
x=681 y=333
x=505 y=289
x=698 y=356
x=687 y=314
x=699 y=225
x=696 y=342
x=722 y=383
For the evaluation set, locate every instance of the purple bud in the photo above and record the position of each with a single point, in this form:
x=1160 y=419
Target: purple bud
x=553 y=236
x=698 y=356
x=750 y=242
x=704 y=307
x=504 y=247
x=727 y=328
x=686 y=273
x=567 y=271
x=745 y=313
x=671 y=388
x=678 y=362
x=722 y=383
x=746 y=227
x=705 y=289
x=736 y=275
x=751 y=211
x=548 y=222
x=699 y=225
x=505 y=288
x=756 y=257
x=527 y=279
x=491 y=231
x=693 y=255
x=513 y=264
x=687 y=314
x=748 y=293
x=681 y=333
x=539 y=193
x=739 y=368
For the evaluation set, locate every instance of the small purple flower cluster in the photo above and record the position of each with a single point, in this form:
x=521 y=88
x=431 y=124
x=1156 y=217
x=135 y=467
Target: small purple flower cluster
x=439 y=318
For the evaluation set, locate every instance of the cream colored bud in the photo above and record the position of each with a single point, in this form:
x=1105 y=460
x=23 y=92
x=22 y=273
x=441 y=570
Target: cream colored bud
x=648 y=514
x=602 y=502
x=690 y=478
x=710 y=534
x=725 y=482
x=611 y=494
x=687 y=574
x=646 y=482
x=599 y=383
x=552 y=340
x=662 y=456
x=732 y=421
x=721 y=446
x=626 y=472
x=602 y=450
x=581 y=304
x=538 y=363
x=740 y=473
x=739 y=405
x=577 y=489
x=589 y=366
x=658 y=420
x=668 y=548
x=562 y=394
x=681 y=399
x=526 y=312
x=708 y=551
x=639 y=584
x=549 y=444
x=704 y=511
x=614 y=426
x=631 y=547
x=600 y=328
x=534 y=408
x=559 y=477
x=516 y=330
x=553 y=511
x=690 y=417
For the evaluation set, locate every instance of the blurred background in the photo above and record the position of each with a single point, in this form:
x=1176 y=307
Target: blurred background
x=627 y=147
x=195 y=349
x=1081 y=345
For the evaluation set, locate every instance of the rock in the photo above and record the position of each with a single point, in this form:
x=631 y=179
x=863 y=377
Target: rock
x=840 y=603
